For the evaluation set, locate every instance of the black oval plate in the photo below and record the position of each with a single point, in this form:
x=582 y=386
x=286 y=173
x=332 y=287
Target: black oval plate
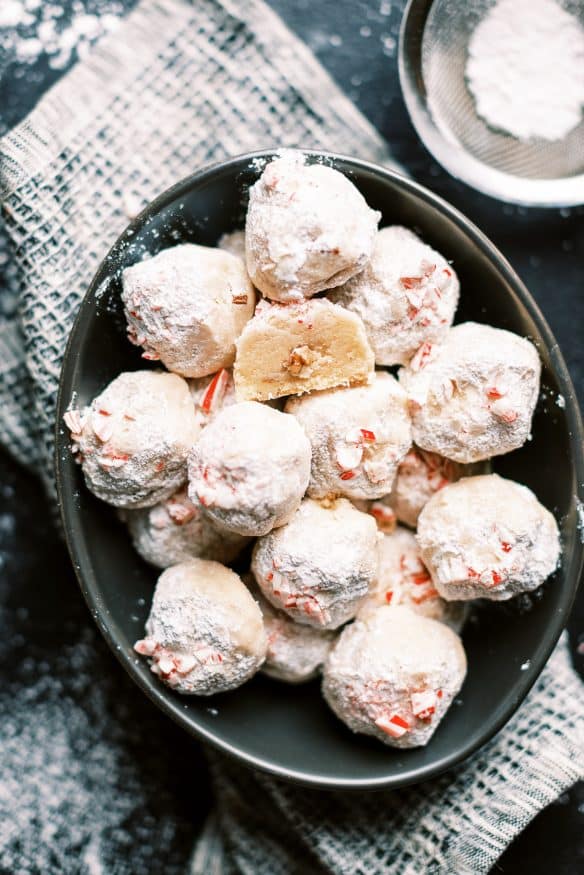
x=285 y=730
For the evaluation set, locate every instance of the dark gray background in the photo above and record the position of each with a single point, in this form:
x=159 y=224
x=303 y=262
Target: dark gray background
x=41 y=610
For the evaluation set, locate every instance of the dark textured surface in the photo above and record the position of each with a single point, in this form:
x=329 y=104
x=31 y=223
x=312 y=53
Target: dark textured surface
x=357 y=43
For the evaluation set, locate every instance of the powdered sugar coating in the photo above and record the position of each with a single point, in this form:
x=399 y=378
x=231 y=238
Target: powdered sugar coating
x=419 y=475
x=233 y=242
x=295 y=652
x=187 y=306
x=205 y=633
x=358 y=437
x=295 y=348
x=250 y=468
x=403 y=579
x=487 y=537
x=321 y=565
x=406 y=295
x=473 y=396
x=134 y=438
x=393 y=674
x=308 y=228
x=177 y=529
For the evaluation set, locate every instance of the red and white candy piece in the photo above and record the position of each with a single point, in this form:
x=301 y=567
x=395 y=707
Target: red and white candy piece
x=215 y=391
x=424 y=704
x=394 y=726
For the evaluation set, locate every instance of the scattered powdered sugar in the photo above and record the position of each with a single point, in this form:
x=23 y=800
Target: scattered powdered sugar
x=561 y=401
x=91 y=773
x=71 y=784
x=525 y=69
x=580 y=515
x=51 y=29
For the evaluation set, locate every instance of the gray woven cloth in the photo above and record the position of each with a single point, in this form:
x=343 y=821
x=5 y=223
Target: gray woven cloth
x=176 y=87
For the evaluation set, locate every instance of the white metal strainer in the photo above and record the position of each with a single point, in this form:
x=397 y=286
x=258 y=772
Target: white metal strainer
x=433 y=54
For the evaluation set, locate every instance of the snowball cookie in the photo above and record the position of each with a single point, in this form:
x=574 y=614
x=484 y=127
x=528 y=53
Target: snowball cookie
x=487 y=537
x=358 y=437
x=250 y=468
x=176 y=529
x=403 y=579
x=233 y=242
x=295 y=653
x=393 y=674
x=205 y=633
x=473 y=396
x=187 y=306
x=319 y=567
x=289 y=350
x=134 y=438
x=419 y=475
x=308 y=228
x=406 y=295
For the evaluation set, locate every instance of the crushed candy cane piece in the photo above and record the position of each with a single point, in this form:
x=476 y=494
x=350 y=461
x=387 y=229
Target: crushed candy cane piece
x=423 y=704
x=348 y=457
x=215 y=391
x=421 y=357
x=72 y=419
x=102 y=427
x=165 y=664
x=354 y=436
x=185 y=663
x=384 y=516
x=181 y=513
x=394 y=726
x=145 y=647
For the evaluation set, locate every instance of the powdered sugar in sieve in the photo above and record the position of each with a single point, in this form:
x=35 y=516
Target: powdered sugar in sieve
x=495 y=89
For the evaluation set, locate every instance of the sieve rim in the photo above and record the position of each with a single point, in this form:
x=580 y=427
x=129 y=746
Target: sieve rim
x=455 y=159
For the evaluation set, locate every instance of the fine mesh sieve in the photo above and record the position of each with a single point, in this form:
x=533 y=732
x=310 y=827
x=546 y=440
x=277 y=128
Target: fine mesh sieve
x=433 y=54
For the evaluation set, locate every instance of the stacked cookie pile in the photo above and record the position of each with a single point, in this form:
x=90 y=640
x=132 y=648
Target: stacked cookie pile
x=368 y=496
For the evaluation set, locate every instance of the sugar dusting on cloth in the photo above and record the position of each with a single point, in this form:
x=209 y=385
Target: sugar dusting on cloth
x=45 y=28
x=90 y=774
x=525 y=69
